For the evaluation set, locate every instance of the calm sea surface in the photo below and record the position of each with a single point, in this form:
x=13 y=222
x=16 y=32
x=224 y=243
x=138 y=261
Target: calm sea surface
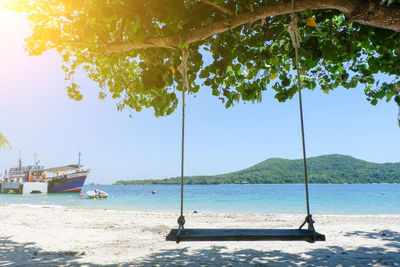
x=354 y=199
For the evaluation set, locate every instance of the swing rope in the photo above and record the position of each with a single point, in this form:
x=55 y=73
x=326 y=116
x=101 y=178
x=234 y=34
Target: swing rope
x=296 y=40
x=182 y=68
x=309 y=235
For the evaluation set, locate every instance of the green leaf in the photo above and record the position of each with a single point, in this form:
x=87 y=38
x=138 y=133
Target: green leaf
x=3 y=142
x=397 y=99
x=184 y=45
x=286 y=82
x=65 y=69
x=215 y=92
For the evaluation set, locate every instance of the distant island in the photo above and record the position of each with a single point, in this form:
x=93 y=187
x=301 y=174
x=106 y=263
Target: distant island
x=332 y=169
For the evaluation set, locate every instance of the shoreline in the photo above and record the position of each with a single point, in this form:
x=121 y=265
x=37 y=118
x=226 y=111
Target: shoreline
x=56 y=206
x=37 y=236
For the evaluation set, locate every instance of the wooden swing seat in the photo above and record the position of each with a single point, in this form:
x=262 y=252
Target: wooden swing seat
x=244 y=235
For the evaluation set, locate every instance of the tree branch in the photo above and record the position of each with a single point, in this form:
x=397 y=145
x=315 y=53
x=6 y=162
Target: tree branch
x=223 y=9
x=376 y=15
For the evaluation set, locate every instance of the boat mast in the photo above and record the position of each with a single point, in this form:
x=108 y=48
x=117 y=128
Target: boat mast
x=79 y=160
x=19 y=160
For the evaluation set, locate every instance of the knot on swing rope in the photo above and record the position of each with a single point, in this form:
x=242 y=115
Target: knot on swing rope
x=294 y=31
x=182 y=68
x=181 y=221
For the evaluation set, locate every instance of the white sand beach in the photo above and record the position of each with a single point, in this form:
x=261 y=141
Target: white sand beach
x=39 y=236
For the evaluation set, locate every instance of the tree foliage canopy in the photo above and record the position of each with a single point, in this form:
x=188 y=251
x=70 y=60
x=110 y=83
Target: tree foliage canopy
x=132 y=48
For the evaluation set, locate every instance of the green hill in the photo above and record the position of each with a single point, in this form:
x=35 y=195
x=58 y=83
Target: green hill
x=322 y=169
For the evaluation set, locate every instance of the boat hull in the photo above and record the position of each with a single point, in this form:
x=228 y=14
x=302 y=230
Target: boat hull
x=67 y=183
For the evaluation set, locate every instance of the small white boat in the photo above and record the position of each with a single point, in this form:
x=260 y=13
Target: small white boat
x=94 y=194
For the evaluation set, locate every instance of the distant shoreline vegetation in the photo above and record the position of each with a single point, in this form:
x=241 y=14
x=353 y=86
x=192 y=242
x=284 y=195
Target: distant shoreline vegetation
x=326 y=169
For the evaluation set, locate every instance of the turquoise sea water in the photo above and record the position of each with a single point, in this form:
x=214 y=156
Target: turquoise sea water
x=332 y=199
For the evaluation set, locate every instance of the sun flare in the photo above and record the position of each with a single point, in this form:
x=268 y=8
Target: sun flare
x=11 y=22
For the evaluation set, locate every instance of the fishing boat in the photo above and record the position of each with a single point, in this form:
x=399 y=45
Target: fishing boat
x=28 y=179
x=69 y=178
x=23 y=180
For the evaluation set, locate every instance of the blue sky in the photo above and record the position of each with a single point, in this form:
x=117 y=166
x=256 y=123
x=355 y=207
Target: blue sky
x=36 y=115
